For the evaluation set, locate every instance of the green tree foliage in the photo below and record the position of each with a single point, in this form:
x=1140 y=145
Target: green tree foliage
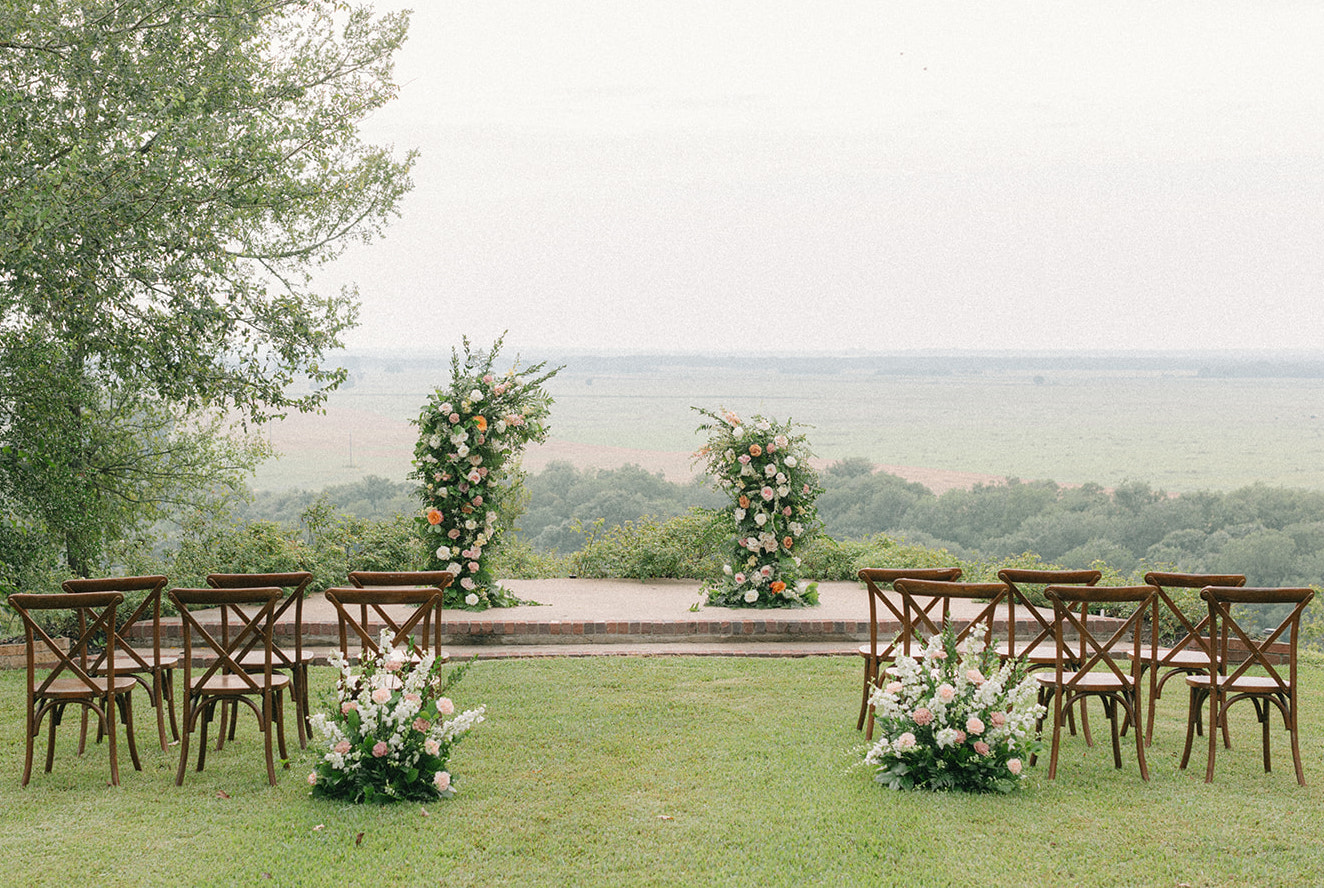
x=170 y=173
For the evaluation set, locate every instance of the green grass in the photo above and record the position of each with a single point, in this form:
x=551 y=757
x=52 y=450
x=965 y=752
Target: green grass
x=670 y=771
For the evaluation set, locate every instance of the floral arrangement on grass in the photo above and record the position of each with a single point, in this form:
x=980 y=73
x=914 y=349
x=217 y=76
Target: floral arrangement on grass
x=390 y=734
x=955 y=719
x=471 y=436
x=764 y=466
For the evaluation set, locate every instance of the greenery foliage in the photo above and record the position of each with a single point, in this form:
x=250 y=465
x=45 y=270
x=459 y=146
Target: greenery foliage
x=170 y=173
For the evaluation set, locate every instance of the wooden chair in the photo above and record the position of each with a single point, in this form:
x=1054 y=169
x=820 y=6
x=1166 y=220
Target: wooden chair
x=1191 y=653
x=1097 y=670
x=291 y=660
x=227 y=678
x=73 y=678
x=1270 y=689
x=376 y=601
x=152 y=667
x=875 y=654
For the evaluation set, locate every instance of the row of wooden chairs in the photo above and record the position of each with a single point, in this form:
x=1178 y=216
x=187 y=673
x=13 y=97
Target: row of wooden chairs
x=1078 y=659
x=230 y=654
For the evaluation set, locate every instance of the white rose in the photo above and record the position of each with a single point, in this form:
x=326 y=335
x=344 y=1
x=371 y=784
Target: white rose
x=462 y=451
x=453 y=567
x=475 y=459
x=792 y=461
x=447 y=408
x=471 y=524
x=751 y=596
x=434 y=442
x=760 y=519
x=769 y=470
x=726 y=569
x=476 y=395
x=471 y=599
x=444 y=552
x=737 y=432
x=499 y=426
x=740 y=514
x=783 y=491
x=781 y=479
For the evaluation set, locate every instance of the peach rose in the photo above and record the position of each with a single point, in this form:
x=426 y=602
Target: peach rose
x=434 y=516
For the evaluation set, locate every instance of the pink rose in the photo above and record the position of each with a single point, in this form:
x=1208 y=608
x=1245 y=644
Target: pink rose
x=894 y=687
x=998 y=718
x=454 y=417
x=431 y=747
x=442 y=781
x=445 y=706
x=767 y=493
x=946 y=693
x=380 y=696
x=922 y=716
x=973 y=725
x=341 y=748
x=974 y=676
x=453 y=533
x=473 y=567
x=380 y=749
x=743 y=459
x=487 y=378
x=1014 y=765
x=765 y=571
x=347 y=707
x=786 y=510
x=413 y=698
x=739 y=578
x=981 y=747
x=422 y=725
x=312 y=779
x=475 y=476
x=906 y=741
x=960 y=737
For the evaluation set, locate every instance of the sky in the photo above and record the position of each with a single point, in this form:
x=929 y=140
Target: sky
x=790 y=177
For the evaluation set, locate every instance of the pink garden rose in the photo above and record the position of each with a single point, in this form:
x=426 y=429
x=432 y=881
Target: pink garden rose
x=981 y=747
x=946 y=693
x=922 y=716
x=445 y=706
x=380 y=749
x=312 y=778
x=973 y=725
x=767 y=493
x=380 y=695
x=431 y=747
x=1014 y=765
x=341 y=748
x=347 y=707
x=413 y=698
x=998 y=718
x=906 y=741
x=894 y=687
x=960 y=737
x=974 y=676
x=422 y=725
x=442 y=781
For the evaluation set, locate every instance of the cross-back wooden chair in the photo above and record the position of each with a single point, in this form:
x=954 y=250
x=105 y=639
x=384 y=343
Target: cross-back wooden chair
x=1191 y=653
x=152 y=667
x=420 y=627
x=1095 y=667
x=291 y=659
x=877 y=652
x=1266 y=686
x=103 y=692
x=1038 y=648
x=226 y=678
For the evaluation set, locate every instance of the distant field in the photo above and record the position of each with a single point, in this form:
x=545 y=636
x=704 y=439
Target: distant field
x=1174 y=429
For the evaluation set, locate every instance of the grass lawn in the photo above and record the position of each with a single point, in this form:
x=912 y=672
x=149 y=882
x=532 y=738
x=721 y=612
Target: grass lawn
x=669 y=771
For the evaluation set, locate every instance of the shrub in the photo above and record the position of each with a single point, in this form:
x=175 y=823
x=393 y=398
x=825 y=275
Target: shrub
x=689 y=547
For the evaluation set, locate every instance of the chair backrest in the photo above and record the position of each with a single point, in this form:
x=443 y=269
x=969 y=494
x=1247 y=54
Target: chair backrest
x=876 y=579
x=1196 y=633
x=96 y=613
x=252 y=612
x=1093 y=652
x=292 y=584
x=1041 y=627
x=930 y=617
x=374 y=603
x=361 y=579
x=1232 y=641
x=148 y=609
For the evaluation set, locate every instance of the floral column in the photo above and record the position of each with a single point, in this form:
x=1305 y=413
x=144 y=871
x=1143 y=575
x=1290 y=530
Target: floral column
x=471 y=436
x=764 y=466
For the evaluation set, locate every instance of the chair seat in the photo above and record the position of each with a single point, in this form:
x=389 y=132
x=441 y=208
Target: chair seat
x=281 y=658
x=1090 y=681
x=1245 y=684
x=1043 y=652
x=71 y=688
x=124 y=663
x=232 y=685
x=1186 y=658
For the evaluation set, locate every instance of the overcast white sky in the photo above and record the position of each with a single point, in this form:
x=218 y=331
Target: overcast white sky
x=767 y=176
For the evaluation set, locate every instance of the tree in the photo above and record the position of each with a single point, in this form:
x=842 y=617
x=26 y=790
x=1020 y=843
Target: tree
x=171 y=173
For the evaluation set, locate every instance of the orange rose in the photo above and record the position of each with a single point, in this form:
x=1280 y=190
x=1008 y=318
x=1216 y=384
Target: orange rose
x=778 y=587
x=787 y=541
x=481 y=422
x=744 y=501
x=755 y=450
x=434 y=517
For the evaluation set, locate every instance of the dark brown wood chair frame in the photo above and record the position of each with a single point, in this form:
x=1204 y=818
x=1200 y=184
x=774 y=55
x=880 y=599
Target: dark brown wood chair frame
x=152 y=668
x=374 y=601
x=73 y=677
x=1267 y=691
x=875 y=654
x=226 y=678
x=1190 y=654
x=294 y=661
x=1078 y=679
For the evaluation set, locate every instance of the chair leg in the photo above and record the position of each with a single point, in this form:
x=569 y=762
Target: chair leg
x=1262 y=713
x=168 y=687
x=158 y=703
x=280 y=726
x=1140 y=741
x=268 y=714
x=56 y=713
x=299 y=693
x=190 y=717
x=126 y=716
x=1216 y=712
x=1194 y=705
x=1057 y=736
x=206 y=712
x=1110 y=710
